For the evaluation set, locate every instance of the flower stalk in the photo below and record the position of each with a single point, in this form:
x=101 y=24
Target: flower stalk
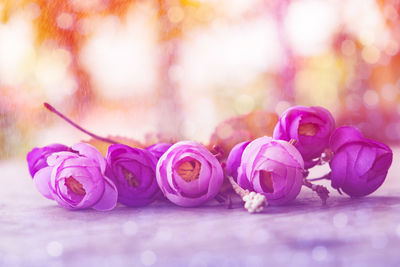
x=321 y=190
x=69 y=121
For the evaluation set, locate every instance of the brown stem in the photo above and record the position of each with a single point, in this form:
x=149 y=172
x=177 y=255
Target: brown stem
x=321 y=190
x=219 y=152
x=240 y=191
x=293 y=142
x=62 y=116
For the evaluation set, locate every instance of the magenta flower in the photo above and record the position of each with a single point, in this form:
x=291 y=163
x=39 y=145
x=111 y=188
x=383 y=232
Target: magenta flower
x=188 y=174
x=133 y=172
x=234 y=159
x=158 y=149
x=37 y=157
x=75 y=179
x=310 y=127
x=359 y=165
x=273 y=168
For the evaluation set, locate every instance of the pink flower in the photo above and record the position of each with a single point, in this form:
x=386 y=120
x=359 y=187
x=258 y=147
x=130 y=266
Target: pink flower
x=273 y=168
x=37 y=157
x=310 y=127
x=158 y=149
x=188 y=174
x=234 y=159
x=75 y=179
x=133 y=172
x=359 y=165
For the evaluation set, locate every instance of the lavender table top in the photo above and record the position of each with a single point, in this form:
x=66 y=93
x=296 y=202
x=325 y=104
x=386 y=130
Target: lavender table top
x=346 y=232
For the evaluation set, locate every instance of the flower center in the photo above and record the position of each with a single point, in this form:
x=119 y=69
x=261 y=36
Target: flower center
x=130 y=178
x=75 y=186
x=266 y=181
x=189 y=170
x=309 y=129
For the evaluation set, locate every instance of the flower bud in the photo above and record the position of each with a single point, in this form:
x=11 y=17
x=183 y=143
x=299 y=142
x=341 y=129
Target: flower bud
x=133 y=172
x=75 y=179
x=234 y=159
x=188 y=174
x=310 y=127
x=37 y=157
x=273 y=168
x=158 y=149
x=359 y=165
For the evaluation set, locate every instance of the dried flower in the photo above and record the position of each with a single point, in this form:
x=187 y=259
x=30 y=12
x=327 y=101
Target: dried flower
x=188 y=174
x=310 y=126
x=133 y=172
x=359 y=165
x=273 y=168
x=253 y=202
x=75 y=179
x=242 y=128
x=37 y=157
x=234 y=159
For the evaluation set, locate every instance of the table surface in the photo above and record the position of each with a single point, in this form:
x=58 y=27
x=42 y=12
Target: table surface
x=35 y=231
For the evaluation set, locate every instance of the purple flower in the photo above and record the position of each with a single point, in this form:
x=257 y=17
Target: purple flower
x=37 y=157
x=273 y=168
x=75 y=179
x=158 y=149
x=310 y=127
x=359 y=165
x=133 y=172
x=188 y=174
x=234 y=159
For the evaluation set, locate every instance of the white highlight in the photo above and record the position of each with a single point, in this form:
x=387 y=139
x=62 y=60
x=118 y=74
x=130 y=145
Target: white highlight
x=54 y=249
x=310 y=25
x=148 y=257
x=122 y=57
x=319 y=253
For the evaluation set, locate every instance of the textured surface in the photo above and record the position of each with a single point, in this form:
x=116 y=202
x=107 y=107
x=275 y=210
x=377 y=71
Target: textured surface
x=347 y=232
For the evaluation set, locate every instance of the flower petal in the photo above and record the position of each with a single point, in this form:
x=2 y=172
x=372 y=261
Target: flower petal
x=90 y=151
x=108 y=201
x=42 y=181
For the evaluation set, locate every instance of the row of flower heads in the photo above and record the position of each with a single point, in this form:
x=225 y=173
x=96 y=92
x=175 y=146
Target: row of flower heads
x=262 y=171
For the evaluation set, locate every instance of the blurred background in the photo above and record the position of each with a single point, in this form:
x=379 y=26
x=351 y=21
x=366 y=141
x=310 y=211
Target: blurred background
x=179 y=68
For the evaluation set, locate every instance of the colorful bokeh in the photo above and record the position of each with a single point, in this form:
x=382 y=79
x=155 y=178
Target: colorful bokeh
x=177 y=69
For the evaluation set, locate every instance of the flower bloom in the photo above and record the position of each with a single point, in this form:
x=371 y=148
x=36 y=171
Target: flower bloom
x=359 y=165
x=133 y=172
x=75 y=179
x=273 y=168
x=234 y=159
x=188 y=174
x=37 y=157
x=310 y=127
x=158 y=149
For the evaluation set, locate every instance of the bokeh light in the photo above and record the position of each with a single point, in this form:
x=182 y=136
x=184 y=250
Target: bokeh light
x=176 y=69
